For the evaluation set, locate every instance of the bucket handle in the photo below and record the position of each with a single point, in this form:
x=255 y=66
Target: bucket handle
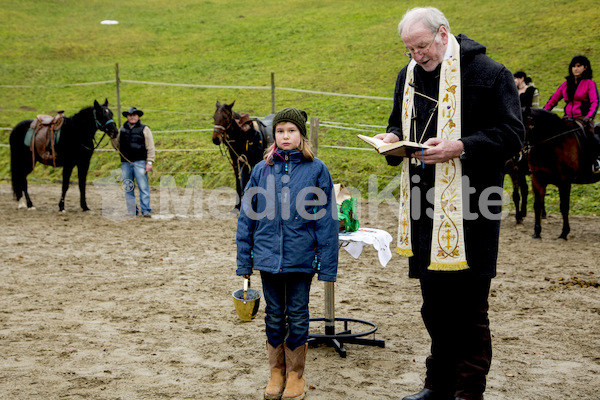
x=246 y=286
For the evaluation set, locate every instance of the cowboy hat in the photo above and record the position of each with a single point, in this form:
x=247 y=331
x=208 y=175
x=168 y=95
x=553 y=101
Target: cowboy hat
x=133 y=110
x=244 y=119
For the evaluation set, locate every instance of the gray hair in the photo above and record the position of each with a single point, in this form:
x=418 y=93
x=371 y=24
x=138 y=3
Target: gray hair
x=430 y=16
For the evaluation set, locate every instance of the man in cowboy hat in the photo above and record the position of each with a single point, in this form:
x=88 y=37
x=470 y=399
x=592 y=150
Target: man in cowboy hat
x=252 y=150
x=136 y=146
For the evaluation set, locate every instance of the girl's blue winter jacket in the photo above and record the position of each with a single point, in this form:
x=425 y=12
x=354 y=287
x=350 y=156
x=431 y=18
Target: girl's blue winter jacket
x=288 y=220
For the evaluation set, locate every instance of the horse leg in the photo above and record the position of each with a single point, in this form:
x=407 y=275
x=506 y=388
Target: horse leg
x=517 y=200
x=238 y=187
x=539 y=192
x=516 y=197
x=564 y=192
x=23 y=199
x=20 y=167
x=27 y=198
x=82 y=171
x=544 y=216
x=22 y=195
x=67 y=170
x=524 y=193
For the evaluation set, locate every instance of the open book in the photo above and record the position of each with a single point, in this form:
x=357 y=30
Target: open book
x=403 y=148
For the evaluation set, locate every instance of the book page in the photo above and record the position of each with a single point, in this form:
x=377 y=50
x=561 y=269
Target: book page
x=372 y=141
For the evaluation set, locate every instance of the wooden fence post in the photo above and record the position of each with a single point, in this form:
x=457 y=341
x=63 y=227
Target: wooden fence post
x=272 y=92
x=314 y=134
x=118 y=97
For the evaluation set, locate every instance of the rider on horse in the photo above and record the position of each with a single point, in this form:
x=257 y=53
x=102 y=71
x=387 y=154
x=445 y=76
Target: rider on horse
x=581 y=95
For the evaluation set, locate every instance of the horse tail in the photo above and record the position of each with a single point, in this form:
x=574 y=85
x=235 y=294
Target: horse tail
x=18 y=163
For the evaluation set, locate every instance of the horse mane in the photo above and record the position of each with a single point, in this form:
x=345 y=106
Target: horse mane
x=542 y=125
x=85 y=117
x=84 y=113
x=86 y=123
x=546 y=117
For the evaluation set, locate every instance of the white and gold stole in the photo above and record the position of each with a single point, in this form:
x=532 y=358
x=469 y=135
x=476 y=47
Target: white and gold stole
x=447 y=239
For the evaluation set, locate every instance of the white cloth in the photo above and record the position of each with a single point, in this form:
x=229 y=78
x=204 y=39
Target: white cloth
x=353 y=243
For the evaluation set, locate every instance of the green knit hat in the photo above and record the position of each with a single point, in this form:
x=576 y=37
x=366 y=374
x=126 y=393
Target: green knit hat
x=294 y=115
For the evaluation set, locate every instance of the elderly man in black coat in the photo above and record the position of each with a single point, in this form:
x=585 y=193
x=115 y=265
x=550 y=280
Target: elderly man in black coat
x=455 y=294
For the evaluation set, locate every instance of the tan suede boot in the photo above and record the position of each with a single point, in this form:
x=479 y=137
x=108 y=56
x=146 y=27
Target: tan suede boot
x=295 y=387
x=276 y=384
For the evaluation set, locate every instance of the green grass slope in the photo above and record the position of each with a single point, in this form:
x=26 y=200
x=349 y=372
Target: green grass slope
x=336 y=46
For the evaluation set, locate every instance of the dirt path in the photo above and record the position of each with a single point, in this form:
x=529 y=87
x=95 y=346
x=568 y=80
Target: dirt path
x=93 y=306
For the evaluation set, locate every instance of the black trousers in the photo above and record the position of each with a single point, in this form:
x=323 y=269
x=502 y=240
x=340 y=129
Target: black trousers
x=591 y=147
x=455 y=313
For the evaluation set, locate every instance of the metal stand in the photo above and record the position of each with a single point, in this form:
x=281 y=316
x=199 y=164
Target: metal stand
x=337 y=339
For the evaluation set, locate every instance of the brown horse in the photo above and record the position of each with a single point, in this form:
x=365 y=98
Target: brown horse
x=556 y=157
x=227 y=132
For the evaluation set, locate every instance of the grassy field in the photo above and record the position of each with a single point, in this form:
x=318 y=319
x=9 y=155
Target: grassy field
x=345 y=47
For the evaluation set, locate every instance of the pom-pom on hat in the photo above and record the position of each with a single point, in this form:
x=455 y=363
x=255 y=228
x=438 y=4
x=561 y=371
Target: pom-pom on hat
x=294 y=115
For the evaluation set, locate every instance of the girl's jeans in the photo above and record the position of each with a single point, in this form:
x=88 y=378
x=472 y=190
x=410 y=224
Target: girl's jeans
x=286 y=296
x=137 y=171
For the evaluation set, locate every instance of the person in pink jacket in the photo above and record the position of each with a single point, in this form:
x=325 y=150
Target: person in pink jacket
x=581 y=96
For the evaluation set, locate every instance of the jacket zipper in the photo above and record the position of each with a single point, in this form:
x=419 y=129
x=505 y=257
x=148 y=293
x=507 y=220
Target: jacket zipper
x=281 y=223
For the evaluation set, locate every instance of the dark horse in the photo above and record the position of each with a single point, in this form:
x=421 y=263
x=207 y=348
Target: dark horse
x=74 y=149
x=227 y=132
x=556 y=157
x=518 y=169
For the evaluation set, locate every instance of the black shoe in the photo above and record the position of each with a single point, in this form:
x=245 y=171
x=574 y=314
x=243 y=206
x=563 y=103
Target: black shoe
x=427 y=394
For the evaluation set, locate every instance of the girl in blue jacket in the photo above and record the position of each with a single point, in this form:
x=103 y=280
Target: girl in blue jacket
x=288 y=230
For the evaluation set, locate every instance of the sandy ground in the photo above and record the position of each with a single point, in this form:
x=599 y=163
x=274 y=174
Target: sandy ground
x=96 y=306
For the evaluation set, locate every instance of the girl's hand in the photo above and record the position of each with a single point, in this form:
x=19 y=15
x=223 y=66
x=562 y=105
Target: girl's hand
x=247 y=276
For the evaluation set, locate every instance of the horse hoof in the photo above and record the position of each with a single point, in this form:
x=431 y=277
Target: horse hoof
x=536 y=236
x=564 y=237
x=32 y=208
x=21 y=204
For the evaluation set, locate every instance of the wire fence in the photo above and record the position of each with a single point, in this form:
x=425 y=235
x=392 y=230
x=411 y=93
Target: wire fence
x=192 y=85
x=358 y=128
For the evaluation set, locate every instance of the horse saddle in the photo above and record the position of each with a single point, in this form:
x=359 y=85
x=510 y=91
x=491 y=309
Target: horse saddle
x=42 y=136
x=265 y=127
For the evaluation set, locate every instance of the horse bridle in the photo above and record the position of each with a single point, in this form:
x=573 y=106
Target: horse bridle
x=223 y=129
x=102 y=128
